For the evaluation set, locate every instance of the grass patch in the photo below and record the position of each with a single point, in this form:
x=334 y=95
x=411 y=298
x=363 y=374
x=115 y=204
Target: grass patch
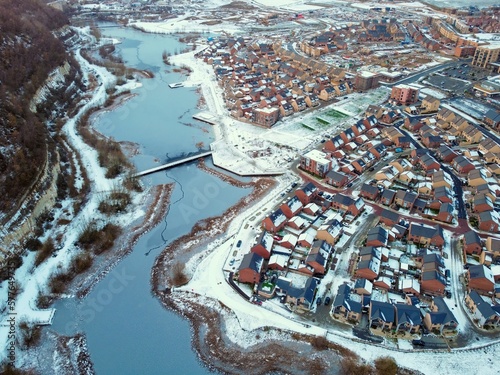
x=332 y=113
x=308 y=127
x=322 y=122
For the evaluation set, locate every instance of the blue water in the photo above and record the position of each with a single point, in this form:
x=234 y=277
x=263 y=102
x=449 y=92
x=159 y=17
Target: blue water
x=127 y=330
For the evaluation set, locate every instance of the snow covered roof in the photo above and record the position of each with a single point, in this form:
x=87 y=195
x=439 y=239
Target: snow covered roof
x=277 y=217
x=290 y=238
x=307 y=236
x=294 y=203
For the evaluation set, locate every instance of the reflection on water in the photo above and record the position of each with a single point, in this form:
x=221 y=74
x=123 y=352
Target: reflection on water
x=128 y=332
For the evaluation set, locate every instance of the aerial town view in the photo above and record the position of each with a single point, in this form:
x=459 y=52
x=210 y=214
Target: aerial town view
x=249 y=187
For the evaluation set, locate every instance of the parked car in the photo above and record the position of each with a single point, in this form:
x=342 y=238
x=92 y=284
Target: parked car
x=318 y=301
x=238 y=244
x=418 y=342
x=327 y=301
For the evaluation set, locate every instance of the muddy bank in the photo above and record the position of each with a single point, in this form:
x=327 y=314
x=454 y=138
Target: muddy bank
x=275 y=352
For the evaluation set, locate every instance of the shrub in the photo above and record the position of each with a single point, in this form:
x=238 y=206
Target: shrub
x=30 y=334
x=46 y=251
x=33 y=244
x=178 y=275
x=81 y=263
x=386 y=366
x=320 y=343
x=59 y=282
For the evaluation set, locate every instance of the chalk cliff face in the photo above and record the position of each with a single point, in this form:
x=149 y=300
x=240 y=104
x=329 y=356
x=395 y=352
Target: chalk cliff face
x=38 y=82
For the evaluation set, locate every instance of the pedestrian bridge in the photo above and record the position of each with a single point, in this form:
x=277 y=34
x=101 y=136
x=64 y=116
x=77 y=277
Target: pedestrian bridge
x=174 y=163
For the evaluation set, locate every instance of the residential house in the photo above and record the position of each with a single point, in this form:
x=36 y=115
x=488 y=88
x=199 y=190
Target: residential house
x=446 y=154
x=472 y=243
x=369 y=192
x=476 y=177
x=383 y=282
x=368 y=267
x=481 y=311
x=363 y=287
x=347 y=204
x=288 y=241
x=402 y=165
x=302 y=298
x=337 y=179
x=482 y=203
x=443 y=194
x=439 y=318
x=445 y=213
x=264 y=245
x=428 y=163
x=377 y=236
x=311 y=209
x=274 y=222
x=408 y=318
x=381 y=315
x=343 y=308
x=481 y=279
x=488 y=145
x=446 y=115
x=389 y=218
x=388 y=197
x=433 y=282
x=292 y=207
x=307 y=193
x=318 y=256
x=431 y=141
x=330 y=231
x=391 y=133
x=305 y=239
x=429 y=105
x=441 y=178
x=462 y=165
x=489 y=221
x=405 y=199
x=426 y=234
x=472 y=135
x=492 y=118
x=334 y=144
x=250 y=268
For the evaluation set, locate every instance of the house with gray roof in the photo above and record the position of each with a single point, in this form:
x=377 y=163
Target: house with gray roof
x=426 y=234
x=382 y=316
x=482 y=311
x=377 y=236
x=440 y=319
x=344 y=308
x=250 y=268
x=472 y=243
x=337 y=179
x=408 y=318
x=301 y=298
